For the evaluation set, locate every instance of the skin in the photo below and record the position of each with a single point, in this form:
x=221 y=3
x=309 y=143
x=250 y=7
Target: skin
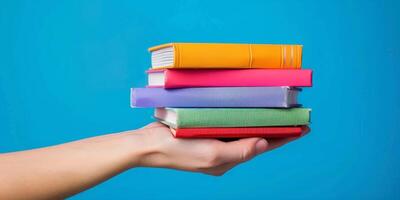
x=57 y=172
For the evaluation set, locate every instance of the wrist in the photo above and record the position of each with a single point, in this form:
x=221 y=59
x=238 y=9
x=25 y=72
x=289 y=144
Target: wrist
x=140 y=148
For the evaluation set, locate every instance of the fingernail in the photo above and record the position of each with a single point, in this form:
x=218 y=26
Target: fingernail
x=261 y=146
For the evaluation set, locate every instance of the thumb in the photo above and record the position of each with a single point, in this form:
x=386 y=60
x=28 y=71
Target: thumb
x=243 y=149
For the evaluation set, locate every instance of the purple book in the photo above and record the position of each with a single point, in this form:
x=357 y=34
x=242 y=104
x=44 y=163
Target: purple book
x=215 y=97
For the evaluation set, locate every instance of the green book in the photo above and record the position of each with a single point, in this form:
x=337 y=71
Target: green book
x=232 y=117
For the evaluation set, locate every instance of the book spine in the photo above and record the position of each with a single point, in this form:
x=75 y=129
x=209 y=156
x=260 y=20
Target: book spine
x=237 y=78
x=207 y=55
x=240 y=132
x=241 y=117
x=217 y=97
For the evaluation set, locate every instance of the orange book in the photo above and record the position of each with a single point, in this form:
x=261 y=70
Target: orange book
x=218 y=55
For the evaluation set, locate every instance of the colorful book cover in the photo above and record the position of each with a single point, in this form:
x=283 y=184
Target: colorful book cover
x=219 y=55
x=232 y=117
x=214 y=97
x=239 y=132
x=172 y=78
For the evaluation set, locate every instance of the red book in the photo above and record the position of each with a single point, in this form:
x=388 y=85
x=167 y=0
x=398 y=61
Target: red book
x=183 y=78
x=239 y=132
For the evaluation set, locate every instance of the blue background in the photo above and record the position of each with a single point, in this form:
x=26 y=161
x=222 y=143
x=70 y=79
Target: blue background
x=66 y=68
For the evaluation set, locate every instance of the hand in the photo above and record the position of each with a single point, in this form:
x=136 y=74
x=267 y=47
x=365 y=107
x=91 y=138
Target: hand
x=59 y=171
x=210 y=156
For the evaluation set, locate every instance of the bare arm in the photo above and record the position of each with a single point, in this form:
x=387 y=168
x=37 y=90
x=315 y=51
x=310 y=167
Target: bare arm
x=63 y=170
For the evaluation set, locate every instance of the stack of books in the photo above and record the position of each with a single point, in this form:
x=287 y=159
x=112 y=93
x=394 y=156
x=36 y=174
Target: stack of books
x=206 y=90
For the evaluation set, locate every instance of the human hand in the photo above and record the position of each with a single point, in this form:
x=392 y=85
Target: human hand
x=209 y=156
x=66 y=169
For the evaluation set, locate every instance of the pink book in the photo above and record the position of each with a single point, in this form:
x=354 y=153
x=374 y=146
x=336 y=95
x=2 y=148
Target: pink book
x=183 y=78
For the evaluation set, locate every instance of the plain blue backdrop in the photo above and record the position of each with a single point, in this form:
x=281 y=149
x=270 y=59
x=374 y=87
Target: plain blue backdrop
x=66 y=68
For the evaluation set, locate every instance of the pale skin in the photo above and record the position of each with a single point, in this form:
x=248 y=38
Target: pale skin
x=57 y=172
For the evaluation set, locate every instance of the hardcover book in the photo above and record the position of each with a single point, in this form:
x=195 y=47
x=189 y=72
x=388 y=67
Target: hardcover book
x=232 y=117
x=239 y=132
x=218 y=55
x=172 y=78
x=214 y=97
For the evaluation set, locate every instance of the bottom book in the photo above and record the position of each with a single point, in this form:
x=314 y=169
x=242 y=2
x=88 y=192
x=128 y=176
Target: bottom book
x=239 y=132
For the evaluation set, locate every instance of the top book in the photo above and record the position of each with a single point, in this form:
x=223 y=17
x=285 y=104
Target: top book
x=218 y=55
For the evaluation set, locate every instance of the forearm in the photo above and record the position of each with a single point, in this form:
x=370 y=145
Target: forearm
x=62 y=170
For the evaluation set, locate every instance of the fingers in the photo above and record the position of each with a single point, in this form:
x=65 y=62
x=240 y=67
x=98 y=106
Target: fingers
x=210 y=156
x=220 y=170
x=241 y=150
x=305 y=130
x=275 y=143
x=232 y=153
